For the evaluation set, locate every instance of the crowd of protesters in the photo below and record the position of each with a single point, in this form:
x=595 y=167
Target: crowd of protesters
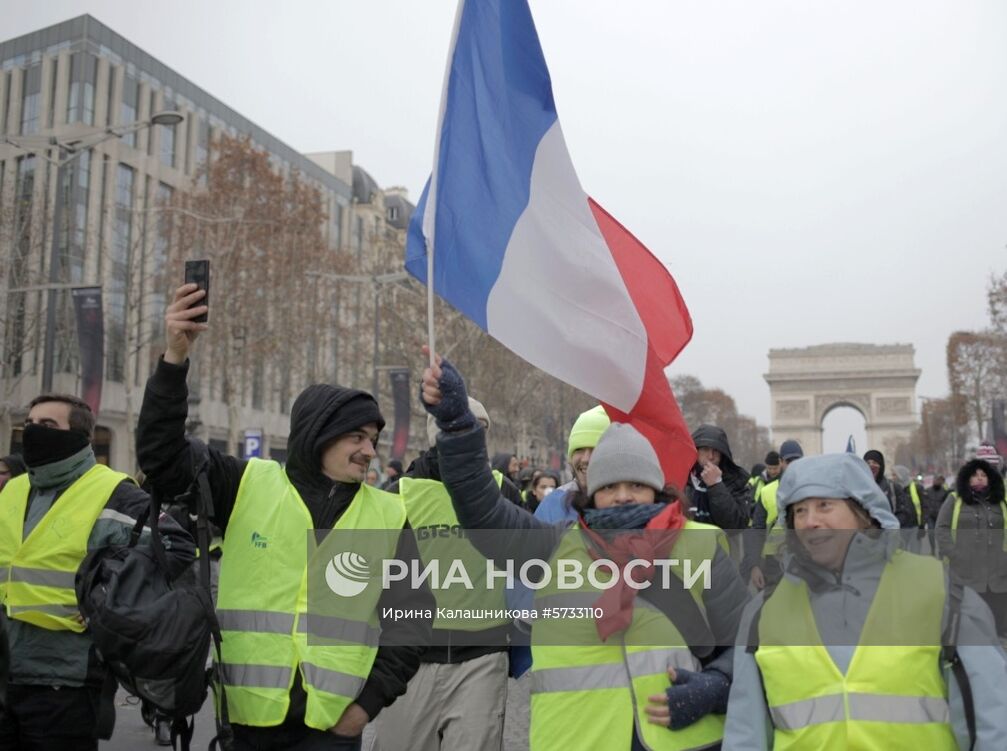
x=840 y=606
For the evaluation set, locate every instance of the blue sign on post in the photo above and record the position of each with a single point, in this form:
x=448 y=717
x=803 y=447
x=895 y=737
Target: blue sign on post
x=253 y=443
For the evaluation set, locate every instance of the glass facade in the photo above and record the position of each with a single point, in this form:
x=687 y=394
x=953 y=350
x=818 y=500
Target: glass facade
x=128 y=106
x=16 y=301
x=167 y=135
x=83 y=75
x=31 y=94
x=119 y=276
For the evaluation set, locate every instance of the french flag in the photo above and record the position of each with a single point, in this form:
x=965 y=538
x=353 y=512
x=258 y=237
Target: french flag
x=524 y=252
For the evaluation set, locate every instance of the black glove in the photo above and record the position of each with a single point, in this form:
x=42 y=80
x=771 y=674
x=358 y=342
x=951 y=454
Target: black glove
x=453 y=413
x=695 y=695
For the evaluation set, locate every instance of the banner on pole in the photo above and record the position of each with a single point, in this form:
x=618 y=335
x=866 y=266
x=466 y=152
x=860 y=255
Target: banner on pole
x=400 y=398
x=91 y=343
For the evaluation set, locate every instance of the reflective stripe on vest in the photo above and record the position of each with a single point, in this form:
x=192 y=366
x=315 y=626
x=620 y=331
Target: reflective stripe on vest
x=914 y=494
x=263 y=599
x=889 y=697
x=956 y=512
x=441 y=539
x=775 y=531
x=584 y=690
x=38 y=572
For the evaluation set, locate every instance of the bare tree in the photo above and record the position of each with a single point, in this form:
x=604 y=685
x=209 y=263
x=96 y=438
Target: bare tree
x=263 y=233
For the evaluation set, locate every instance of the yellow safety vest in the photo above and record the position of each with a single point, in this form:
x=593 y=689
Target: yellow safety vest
x=263 y=598
x=38 y=572
x=589 y=695
x=915 y=495
x=775 y=532
x=958 y=510
x=890 y=697
x=441 y=539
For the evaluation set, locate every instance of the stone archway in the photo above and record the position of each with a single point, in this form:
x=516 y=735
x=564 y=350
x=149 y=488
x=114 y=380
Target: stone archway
x=878 y=380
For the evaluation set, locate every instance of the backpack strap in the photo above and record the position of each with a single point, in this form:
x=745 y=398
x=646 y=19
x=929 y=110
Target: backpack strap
x=106 y=707
x=951 y=658
x=224 y=739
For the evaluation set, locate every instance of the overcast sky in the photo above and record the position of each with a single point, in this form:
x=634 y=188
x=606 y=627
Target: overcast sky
x=810 y=172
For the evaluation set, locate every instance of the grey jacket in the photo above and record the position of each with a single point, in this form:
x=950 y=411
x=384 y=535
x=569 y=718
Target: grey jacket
x=749 y=727
x=840 y=603
x=41 y=656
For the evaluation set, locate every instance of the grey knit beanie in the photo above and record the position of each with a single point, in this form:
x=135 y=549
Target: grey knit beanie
x=623 y=455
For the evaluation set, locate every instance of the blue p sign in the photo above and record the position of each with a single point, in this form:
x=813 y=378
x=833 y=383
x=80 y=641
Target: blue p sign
x=253 y=444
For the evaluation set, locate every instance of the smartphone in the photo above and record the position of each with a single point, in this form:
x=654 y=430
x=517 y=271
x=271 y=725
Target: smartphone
x=198 y=272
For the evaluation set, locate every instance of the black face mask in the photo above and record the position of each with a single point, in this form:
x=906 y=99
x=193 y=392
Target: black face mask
x=45 y=445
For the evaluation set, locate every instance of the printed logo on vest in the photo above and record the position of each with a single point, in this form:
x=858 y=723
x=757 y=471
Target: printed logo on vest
x=347 y=574
x=259 y=541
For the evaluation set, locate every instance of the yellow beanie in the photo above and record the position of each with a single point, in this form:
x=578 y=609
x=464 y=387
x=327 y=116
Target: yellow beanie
x=587 y=429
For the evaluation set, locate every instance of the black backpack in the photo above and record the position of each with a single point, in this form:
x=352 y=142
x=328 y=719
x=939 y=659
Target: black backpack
x=153 y=633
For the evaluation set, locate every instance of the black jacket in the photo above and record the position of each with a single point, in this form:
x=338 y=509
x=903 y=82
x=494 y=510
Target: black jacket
x=170 y=459
x=455 y=650
x=726 y=504
x=976 y=550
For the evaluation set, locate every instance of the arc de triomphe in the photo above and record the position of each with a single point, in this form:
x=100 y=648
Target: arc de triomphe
x=878 y=380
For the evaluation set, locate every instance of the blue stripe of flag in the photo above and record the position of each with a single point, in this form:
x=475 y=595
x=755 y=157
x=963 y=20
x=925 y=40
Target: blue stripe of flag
x=499 y=105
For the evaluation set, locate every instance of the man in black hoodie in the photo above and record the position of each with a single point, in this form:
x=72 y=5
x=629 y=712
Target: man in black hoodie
x=718 y=488
x=259 y=506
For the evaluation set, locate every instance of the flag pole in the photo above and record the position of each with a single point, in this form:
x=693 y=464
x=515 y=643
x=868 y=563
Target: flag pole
x=430 y=303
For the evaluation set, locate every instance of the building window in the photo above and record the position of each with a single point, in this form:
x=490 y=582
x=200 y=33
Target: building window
x=83 y=74
x=119 y=275
x=128 y=107
x=202 y=142
x=30 y=94
x=358 y=234
x=167 y=139
x=162 y=242
x=24 y=189
x=52 y=93
x=151 y=109
x=110 y=97
x=336 y=225
x=393 y=213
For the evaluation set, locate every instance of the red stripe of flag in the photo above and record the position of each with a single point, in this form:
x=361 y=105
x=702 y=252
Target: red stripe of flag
x=665 y=317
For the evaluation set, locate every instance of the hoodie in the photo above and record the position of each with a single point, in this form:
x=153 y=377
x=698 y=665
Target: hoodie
x=170 y=459
x=898 y=497
x=840 y=603
x=726 y=504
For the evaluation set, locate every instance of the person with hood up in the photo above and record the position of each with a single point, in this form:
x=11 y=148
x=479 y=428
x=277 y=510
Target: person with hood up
x=584 y=435
x=718 y=489
x=817 y=666
x=970 y=534
x=642 y=668
x=286 y=688
x=507 y=465
x=64 y=507
x=457 y=699
x=898 y=498
x=11 y=466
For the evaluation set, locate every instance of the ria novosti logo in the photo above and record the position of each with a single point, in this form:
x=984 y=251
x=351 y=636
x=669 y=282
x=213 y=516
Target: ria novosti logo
x=347 y=574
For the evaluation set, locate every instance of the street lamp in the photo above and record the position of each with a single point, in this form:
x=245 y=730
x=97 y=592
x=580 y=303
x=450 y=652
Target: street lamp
x=70 y=150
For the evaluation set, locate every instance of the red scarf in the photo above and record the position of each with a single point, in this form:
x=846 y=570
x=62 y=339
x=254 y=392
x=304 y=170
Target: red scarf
x=654 y=541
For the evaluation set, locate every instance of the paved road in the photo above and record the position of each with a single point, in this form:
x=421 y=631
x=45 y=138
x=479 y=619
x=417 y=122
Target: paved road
x=132 y=735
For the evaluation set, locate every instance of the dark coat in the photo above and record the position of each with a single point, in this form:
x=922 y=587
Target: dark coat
x=170 y=459
x=726 y=504
x=976 y=550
